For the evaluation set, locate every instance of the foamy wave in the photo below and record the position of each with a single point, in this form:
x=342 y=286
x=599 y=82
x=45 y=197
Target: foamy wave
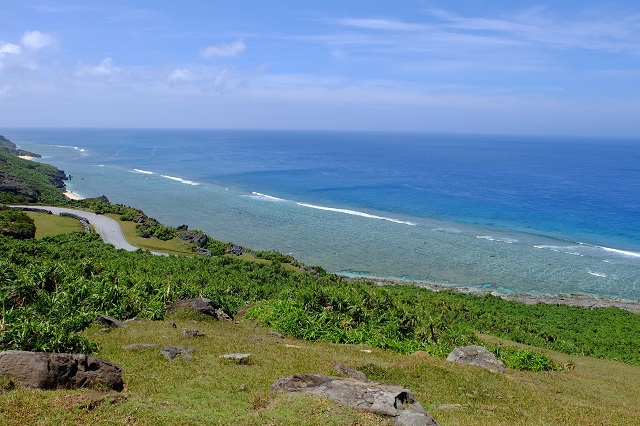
x=499 y=239
x=597 y=274
x=620 y=252
x=267 y=197
x=576 y=249
x=447 y=230
x=77 y=148
x=177 y=179
x=552 y=248
x=144 y=172
x=356 y=213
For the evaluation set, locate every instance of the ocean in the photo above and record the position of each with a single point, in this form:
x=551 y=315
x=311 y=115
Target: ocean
x=509 y=214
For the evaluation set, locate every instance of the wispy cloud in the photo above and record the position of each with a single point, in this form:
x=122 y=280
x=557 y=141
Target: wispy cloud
x=36 y=40
x=379 y=24
x=615 y=34
x=103 y=69
x=182 y=74
x=223 y=49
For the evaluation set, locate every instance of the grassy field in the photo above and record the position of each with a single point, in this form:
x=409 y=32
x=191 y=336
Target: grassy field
x=208 y=390
x=173 y=246
x=51 y=224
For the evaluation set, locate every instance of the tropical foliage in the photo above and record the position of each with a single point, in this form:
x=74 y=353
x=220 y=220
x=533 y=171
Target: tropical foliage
x=53 y=288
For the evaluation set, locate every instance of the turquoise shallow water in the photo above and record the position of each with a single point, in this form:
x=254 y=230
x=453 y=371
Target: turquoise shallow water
x=523 y=215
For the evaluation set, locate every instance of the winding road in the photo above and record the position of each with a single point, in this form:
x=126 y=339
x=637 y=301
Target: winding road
x=107 y=228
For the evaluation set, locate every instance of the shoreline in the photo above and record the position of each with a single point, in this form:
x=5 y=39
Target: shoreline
x=72 y=195
x=578 y=300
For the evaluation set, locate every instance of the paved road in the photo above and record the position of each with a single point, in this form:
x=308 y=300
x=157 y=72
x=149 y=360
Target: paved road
x=107 y=228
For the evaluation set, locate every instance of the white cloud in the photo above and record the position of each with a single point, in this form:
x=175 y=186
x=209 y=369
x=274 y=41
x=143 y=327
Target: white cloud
x=182 y=74
x=9 y=49
x=36 y=40
x=223 y=49
x=379 y=24
x=104 y=69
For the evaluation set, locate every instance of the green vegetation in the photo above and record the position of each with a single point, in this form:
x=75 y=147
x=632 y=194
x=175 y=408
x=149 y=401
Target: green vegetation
x=208 y=391
x=52 y=289
x=29 y=181
x=51 y=224
x=525 y=359
x=16 y=224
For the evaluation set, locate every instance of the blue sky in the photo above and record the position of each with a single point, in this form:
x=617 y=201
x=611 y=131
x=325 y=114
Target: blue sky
x=570 y=67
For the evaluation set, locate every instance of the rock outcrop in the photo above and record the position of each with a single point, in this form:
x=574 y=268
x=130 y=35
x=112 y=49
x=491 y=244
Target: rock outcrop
x=373 y=397
x=200 y=305
x=234 y=249
x=478 y=356
x=197 y=238
x=43 y=370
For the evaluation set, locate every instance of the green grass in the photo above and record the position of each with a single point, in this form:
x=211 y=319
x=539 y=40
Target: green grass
x=209 y=391
x=51 y=224
x=173 y=246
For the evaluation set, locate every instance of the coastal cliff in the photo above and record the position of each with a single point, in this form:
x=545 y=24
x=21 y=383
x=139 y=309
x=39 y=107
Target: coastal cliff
x=27 y=181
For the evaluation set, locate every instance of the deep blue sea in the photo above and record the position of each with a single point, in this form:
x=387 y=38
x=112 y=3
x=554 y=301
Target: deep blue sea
x=538 y=215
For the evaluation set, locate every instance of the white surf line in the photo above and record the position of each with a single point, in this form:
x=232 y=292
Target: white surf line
x=356 y=213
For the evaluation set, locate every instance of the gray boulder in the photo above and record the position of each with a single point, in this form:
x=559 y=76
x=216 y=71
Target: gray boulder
x=235 y=249
x=373 y=397
x=201 y=305
x=478 y=356
x=43 y=370
x=171 y=351
x=197 y=238
x=110 y=321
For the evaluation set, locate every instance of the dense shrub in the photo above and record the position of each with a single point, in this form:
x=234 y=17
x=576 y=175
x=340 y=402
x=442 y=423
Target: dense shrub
x=525 y=359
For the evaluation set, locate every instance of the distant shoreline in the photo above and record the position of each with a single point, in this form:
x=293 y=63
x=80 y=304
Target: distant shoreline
x=579 y=300
x=72 y=195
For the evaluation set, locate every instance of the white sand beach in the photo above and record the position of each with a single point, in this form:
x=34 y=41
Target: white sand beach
x=26 y=157
x=72 y=195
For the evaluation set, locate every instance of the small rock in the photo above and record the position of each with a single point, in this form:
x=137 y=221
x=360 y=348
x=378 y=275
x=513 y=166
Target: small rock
x=190 y=333
x=254 y=339
x=173 y=324
x=275 y=334
x=135 y=346
x=243 y=387
x=349 y=372
x=221 y=315
x=170 y=352
x=109 y=321
x=238 y=358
